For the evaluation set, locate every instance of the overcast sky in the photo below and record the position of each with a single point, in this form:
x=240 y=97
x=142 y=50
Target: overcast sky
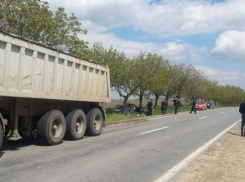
x=209 y=34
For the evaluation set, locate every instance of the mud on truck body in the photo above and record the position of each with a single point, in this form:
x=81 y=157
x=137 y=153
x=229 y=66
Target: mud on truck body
x=49 y=94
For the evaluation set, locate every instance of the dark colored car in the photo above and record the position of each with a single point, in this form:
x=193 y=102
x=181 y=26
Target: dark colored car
x=119 y=108
x=210 y=104
x=201 y=105
x=126 y=108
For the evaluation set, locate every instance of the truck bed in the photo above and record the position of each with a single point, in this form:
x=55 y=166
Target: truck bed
x=31 y=70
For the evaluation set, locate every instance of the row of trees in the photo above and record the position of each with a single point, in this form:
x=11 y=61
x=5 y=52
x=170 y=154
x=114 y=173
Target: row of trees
x=144 y=76
x=150 y=75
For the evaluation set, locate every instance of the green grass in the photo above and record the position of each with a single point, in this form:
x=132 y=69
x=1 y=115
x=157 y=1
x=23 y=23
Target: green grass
x=114 y=117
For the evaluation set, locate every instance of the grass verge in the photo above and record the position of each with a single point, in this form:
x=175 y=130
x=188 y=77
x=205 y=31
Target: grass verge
x=114 y=117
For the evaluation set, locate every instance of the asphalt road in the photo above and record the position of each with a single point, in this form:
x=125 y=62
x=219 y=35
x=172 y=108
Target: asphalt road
x=133 y=152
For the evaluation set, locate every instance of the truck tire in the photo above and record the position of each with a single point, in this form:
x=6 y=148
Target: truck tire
x=51 y=127
x=94 y=122
x=75 y=124
x=1 y=135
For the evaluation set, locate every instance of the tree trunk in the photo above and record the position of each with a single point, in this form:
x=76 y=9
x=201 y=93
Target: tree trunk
x=157 y=98
x=140 y=100
x=125 y=99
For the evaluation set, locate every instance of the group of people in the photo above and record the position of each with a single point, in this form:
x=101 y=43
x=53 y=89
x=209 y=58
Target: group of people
x=164 y=106
x=149 y=107
x=177 y=104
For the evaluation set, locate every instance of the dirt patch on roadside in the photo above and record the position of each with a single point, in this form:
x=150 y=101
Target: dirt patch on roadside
x=223 y=161
x=131 y=121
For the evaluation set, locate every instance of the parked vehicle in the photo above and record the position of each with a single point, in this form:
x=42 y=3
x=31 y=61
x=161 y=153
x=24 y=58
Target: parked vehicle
x=201 y=105
x=210 y=104
x=49 y=94
x=126 y=108
x=119 y=108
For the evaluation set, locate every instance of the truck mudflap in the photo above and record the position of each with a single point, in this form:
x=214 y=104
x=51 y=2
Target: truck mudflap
x=3 y=122
x=102 y=109
x=1 y=135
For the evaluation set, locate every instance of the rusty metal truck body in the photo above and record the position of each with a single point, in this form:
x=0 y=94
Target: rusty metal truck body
x=49 y=94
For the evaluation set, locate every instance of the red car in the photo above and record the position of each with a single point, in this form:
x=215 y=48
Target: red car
x=201 y=105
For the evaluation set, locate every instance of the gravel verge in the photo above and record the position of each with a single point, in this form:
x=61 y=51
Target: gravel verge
x=223 y=161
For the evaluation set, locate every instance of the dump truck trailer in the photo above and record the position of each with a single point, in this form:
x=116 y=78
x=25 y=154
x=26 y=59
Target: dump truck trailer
x=49 y=94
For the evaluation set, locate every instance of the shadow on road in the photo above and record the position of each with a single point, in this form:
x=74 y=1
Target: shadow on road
x=1 y=154
x=17 y=145
x=233 y=134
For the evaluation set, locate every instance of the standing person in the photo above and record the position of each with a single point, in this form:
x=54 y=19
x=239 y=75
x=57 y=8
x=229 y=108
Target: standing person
x=179 y=105
x=242 y=111
x=175 y=105
x=150 y=107
x=193 y=106
x=164 y=105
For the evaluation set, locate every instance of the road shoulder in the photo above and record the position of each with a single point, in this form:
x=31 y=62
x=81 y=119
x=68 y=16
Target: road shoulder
x=222 y=161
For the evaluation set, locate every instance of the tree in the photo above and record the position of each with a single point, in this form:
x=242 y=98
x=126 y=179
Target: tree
x=31 y=19
x=25 y=18
x=158 y=79
x=64 y=36
x=147 y=74
x=127 y=87
x=212 y=91
x=121 y=68
x=175 y=81
x=141 y=76
x=194 y=85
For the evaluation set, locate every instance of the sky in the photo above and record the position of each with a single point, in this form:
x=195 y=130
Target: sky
x=208 y=34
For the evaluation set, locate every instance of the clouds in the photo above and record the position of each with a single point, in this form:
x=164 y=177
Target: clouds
x=181 y=51
x=165 y=18
x=174 y=50
x=230 y=46
x=197 y=32
x=224 y=76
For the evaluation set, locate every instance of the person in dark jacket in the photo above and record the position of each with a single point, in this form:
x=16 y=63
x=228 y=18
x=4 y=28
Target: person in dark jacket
x=242 y=111
x=150 y=107
x=193 y=106
x=176 y=101
x=164 y=105
x=179 y=105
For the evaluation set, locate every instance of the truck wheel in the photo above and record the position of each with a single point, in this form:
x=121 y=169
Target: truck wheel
x=1 y=135
x=75 y=124
x=51 y=127
x=94 y=122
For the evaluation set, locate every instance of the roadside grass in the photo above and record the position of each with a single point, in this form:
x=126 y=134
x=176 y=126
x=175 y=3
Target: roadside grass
x=114 y=117
x=111 y=116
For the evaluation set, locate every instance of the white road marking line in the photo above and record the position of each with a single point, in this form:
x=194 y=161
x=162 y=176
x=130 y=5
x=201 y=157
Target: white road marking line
x=156 y=118
x=154 y=130
x=161 y=117
x=203 y=117
x=221 y=112
x=170 y=173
